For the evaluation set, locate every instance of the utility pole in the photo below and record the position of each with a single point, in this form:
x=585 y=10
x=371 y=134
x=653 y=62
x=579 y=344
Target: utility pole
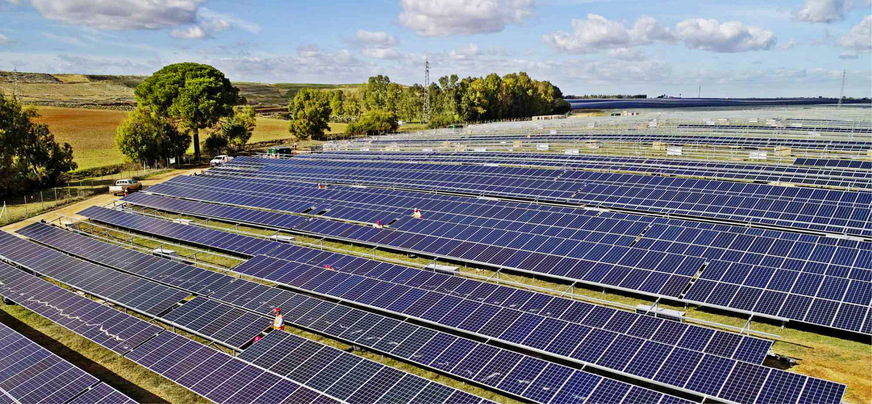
x=842 y=93
x=427 y=89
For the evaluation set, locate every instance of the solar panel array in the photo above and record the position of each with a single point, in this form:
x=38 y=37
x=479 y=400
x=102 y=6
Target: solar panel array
x=103 y=325
x=212 y=374
x=629 y=136
x=584 y=347
x=838 y=173
x=385 y=335
x=823 y=210
x=136 y=293
x=824 y=281
x=628 y=354
x=218 y=376
x=346 y=376
x=187 y=277
x=371 y=330
x=218 y=322
x=30 y=373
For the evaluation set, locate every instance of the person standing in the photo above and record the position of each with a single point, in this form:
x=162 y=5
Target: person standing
x=279 y=321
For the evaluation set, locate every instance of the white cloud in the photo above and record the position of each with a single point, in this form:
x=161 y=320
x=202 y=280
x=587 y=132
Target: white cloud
x=5 y=40
x=205 y=14
x=626 y=54
x=377 y=39
x=729 y=37
x=849 y=55
x=462 y=17
x=825 y=11
x=376 y=45
x=120 y=14
x=597 y=33
x=381 y=53
x=470 y=51
x=859 y=38
x=194 y=32
x=787 y=46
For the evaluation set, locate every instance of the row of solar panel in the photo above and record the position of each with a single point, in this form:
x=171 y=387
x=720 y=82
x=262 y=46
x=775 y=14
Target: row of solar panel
x=232 y=327
x=836 y=301
x=805 y=208
x=187 y=277
x=297 y=312
x=30 y=373
x=215 y=379
x=801 y=166
x=559 y=222
x=609 y=320
x=559 y=180
x=756 y=142
x=727 y=379
x=372 y=331
x=558 y=231
x=732 y=171
x=138 y=294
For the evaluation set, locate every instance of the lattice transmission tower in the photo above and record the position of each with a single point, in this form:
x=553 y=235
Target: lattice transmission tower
x=427 y=89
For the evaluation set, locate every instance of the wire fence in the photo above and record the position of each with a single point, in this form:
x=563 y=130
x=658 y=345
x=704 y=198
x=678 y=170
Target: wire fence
x=20 y=207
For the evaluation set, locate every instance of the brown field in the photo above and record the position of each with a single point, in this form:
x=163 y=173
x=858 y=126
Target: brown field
x=91 y=132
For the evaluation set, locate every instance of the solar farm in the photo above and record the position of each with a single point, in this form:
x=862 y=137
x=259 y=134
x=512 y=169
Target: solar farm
x=645 y=259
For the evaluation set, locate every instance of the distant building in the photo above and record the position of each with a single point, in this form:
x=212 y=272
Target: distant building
x=548 y=117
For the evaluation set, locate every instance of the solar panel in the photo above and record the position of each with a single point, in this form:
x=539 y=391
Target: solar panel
x=31 y=373
x=215 y=375
x=136 y=293
x=218 y=322
x=752 y=298
x=103 y=325
x=185 y=276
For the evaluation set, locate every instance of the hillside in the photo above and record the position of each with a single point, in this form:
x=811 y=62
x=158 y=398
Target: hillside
x=116 y=92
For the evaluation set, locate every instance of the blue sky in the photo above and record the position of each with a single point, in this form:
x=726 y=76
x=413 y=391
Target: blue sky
x=738 y=48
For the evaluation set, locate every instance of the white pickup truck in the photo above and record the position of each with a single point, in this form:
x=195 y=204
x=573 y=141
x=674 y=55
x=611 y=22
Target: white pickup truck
x=220 y=160
x=126 y=185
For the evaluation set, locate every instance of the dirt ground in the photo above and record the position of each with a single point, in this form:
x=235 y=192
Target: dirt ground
x=99 y=200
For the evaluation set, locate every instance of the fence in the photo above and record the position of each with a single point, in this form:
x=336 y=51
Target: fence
x=20 y=207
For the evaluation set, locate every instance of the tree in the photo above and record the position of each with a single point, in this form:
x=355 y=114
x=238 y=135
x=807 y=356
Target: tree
x=195 y=95
x=237 y=128
x=310 y=112
x=336 y=98
x=215 y=144
x=144 y=136
x=29 y=156
x=374 y=122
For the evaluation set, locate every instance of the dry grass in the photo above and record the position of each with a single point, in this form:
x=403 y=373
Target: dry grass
x=91 y=132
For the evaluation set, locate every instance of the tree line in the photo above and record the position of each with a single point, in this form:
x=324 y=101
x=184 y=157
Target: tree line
x=377 y=105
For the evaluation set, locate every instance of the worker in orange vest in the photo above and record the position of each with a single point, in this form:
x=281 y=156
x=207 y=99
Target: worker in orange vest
x=417 y=214
x=320 y=186
x=279 y=321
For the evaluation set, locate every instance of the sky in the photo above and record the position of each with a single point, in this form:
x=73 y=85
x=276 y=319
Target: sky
x=737 y=48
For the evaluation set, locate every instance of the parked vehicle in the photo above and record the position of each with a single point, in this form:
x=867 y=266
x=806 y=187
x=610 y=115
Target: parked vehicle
x=220 y=160
x=126 y=185
x=276 y=152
